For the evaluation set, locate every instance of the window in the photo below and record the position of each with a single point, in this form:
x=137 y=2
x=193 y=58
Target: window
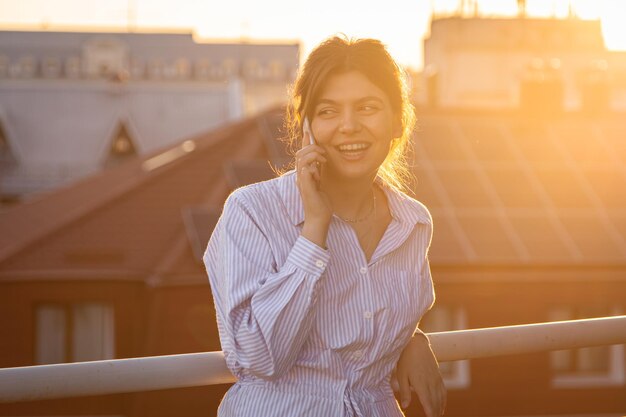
x=51 y=67
x=591 y=366
x=169 y=70
x=24 y=67
x=202 y=69
x=122 y=146
x=73 y=67
x=230 y=67
x=155 y=69
x=183 y=68
x=252 y=69
x=277 y=69
x=74 y=333
x=442 y=318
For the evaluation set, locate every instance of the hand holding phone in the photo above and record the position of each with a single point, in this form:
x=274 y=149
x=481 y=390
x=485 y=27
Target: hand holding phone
x=317 y=207
x=307 y=129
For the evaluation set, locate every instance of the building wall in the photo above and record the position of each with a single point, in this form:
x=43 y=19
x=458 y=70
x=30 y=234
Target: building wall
x=64 y=96
x=482 y=62
x=18 y=303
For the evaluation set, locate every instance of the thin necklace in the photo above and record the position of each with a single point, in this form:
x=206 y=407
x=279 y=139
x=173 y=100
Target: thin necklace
x=367 y=216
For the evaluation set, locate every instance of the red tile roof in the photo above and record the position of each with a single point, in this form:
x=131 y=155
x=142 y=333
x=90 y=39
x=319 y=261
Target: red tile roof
x=501 y=191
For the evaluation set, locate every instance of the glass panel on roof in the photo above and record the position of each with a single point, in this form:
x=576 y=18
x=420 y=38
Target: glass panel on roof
x=536 y=148
x=488 y=144
x=446 y=246
x=464 y=188
x=439 y=144
x=541 y=238
x=563 y=188
x=583 y=146
x=592 y=237
x=488 y=237
x=616 y=140
x=425 y=189
x=247 y=172
x=514 y=188
x=609 y=185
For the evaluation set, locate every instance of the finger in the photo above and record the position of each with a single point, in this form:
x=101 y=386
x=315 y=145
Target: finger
x=305 y=138
x=405 y=391
x=427 y=401
x=309 y=149
x=433 y=400
x=310 y=158
x=307 y=182
x=394 y=382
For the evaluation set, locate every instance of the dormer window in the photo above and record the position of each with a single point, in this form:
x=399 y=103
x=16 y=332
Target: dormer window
x=51 y=67
x=24 y=67
x=170 y=71
x=122 y=146
x=137 y=69
x=252 y=69
x=230 y=67
x=183 y=68
x=105 y=57
x=73 y=67
x=155 y=70
x=203 y=68
x=277 y=70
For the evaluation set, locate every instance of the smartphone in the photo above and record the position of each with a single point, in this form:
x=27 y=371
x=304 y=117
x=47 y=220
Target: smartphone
x=307 y=129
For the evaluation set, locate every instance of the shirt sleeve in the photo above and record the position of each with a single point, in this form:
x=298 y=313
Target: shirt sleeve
x=426 y=287
x=264 y=311
x=427 y=295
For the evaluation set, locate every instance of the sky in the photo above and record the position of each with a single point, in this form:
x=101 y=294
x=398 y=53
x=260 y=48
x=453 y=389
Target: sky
x=401 y=24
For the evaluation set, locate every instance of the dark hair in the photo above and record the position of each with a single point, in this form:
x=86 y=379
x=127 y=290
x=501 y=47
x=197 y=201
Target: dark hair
x=338 y=55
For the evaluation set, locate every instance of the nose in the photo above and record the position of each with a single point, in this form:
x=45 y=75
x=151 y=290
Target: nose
x=349 y=123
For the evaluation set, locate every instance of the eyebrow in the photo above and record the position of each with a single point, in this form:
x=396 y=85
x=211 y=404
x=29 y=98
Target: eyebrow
x=361 y=100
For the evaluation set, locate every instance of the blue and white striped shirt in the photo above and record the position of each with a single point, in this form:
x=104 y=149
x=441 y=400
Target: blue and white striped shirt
x=307 y=331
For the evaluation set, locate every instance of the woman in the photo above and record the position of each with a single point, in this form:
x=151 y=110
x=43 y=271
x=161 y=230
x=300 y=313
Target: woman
x=320 y=276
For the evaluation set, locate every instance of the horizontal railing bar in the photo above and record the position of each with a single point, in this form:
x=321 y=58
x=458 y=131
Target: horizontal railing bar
x=196 y=369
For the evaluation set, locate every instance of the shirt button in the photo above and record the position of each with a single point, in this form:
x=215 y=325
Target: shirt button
x=367 y=315
x=358 y=354
x=363 y=270
x=319 y=263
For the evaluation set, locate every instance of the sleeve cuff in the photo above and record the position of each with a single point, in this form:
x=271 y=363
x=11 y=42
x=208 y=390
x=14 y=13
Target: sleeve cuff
x=309 y=257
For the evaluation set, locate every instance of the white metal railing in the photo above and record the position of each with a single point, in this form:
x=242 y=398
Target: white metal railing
x=195 y=369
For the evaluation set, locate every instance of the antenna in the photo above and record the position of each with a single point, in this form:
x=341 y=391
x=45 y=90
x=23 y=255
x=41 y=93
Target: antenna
x=571 y=11
x=521 y=8
x=131 y=18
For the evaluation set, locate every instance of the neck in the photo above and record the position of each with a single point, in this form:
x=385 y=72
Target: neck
x=349 y=198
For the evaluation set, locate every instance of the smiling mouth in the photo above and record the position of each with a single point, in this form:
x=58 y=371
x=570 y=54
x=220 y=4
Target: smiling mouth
x=353 y=147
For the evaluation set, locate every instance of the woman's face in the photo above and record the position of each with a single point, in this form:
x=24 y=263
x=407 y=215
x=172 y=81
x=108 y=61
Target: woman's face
x=354 y=122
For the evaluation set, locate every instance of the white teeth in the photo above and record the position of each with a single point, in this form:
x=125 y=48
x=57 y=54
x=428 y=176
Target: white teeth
x=353 y=147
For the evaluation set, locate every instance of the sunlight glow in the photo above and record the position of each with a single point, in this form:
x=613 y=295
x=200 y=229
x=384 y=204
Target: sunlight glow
x=401 y=24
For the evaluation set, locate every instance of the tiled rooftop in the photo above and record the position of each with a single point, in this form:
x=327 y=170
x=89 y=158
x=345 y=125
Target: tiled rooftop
x=501 y=192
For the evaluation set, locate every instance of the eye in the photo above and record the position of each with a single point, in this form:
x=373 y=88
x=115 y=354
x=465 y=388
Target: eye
x=369 y=108
x=326 y=112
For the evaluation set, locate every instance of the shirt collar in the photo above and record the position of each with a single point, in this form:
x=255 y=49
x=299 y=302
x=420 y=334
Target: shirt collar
x=402 y=207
